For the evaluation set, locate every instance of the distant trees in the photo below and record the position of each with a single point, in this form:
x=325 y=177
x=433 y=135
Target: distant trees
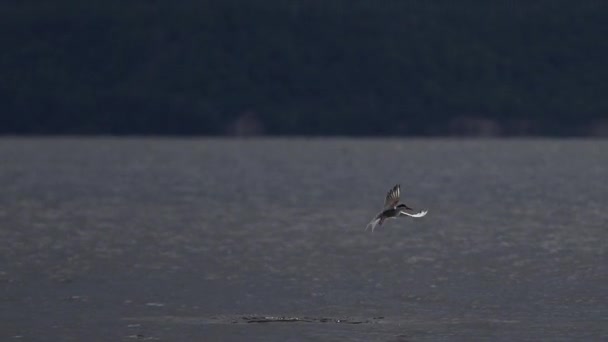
x=341 y=67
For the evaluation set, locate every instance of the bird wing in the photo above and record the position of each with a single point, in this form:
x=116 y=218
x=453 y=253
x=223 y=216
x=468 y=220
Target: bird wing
x=392 y=197
x=419 y=214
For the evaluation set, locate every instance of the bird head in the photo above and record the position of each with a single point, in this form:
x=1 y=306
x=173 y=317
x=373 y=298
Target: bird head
x=403 y=206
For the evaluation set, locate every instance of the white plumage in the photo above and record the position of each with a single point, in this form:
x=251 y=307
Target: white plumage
x=392 y=209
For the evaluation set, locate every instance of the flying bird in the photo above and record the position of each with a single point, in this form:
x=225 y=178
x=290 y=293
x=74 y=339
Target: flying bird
x=393 y=209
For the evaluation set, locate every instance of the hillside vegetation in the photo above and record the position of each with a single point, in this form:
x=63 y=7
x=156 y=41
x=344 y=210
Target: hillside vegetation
x=305 y=67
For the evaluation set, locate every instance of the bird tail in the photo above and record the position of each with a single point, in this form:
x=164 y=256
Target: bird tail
x=373 y=224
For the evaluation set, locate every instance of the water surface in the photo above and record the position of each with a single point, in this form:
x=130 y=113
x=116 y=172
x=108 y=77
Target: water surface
x=263 y=239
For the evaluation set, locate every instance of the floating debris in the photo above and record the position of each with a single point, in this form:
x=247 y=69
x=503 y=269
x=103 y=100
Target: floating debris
x=269 y=319
x=284 y=319
x=247 y=319
x=143 y=337
x=138 y=336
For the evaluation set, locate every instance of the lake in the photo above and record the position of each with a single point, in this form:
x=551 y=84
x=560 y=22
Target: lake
x=158 y=239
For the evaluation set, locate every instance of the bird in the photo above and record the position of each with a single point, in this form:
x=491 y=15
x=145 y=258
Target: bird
x=393 y=209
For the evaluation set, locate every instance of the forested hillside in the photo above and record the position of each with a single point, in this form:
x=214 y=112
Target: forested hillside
x=304 y=67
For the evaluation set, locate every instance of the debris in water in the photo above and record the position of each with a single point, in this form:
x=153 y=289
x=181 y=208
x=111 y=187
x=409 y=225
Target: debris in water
x=283 y=319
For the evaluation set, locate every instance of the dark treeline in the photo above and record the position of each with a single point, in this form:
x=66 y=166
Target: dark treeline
x=333 y=67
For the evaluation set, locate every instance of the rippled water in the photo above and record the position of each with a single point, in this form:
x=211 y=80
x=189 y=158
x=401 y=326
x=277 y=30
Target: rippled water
x=242 y=240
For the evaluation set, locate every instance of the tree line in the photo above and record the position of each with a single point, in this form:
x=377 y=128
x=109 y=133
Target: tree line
x=301 y=67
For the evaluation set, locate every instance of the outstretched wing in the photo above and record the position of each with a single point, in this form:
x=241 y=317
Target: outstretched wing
x=392 y=197
x=420 y=214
